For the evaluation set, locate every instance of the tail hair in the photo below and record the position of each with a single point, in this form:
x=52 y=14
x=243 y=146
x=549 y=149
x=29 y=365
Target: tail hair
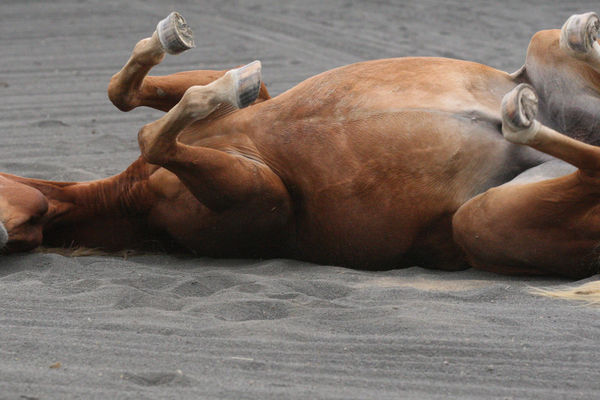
x=588 y=293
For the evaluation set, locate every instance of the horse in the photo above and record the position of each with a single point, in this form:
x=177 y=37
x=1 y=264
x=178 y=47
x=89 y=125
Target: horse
x=380 y=164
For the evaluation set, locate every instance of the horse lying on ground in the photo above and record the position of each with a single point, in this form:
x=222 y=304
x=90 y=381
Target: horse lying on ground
x=379 y=164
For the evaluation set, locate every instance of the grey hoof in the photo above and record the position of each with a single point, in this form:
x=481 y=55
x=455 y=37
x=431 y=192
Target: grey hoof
x=3 y=236
x=247 y=80
x=519 y=109
x=580 y=32
x=174 y=34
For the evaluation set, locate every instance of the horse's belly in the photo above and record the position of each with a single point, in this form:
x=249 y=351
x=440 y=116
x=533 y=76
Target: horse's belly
x=380 y=238
x=385 y=195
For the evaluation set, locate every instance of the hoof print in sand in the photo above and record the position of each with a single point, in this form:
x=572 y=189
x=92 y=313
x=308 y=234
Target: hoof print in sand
x=205 y=285
x=158 y=378
x=131 y=298
x=320 y=289
x=249 y=310
x=50 y=123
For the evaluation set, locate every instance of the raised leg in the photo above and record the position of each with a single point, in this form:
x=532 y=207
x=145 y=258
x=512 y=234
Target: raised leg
x=519 y=108
x=546 y=227
x=131 y=87
x=579 y=38
x=220 y=180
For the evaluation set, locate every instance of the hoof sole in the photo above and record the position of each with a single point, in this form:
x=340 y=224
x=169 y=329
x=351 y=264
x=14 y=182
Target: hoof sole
x=580 y=32
x=174 y=34
x=519 y=109
x=247 y=81
x=520 y=106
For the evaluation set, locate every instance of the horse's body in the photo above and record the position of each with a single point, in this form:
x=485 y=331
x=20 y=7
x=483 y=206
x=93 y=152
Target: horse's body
x=377 y=156
x=364 y=166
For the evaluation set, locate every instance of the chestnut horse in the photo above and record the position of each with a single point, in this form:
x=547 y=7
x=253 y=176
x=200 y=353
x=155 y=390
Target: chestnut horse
x=378 y=164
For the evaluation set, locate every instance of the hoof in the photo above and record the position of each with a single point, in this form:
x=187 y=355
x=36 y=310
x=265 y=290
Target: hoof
x=174 y=34
x=246 y=81
x=519 y=108
x=3 y=236
x=580 y=32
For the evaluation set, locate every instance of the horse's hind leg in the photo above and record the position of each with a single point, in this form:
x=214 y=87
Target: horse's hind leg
x=543 y=227
x=579 y=38
x=131 y=87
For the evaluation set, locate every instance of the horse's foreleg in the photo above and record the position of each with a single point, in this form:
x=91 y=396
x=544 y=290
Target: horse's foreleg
x=218 y=179
x=131 y=87
x=549 y=226
x=127 y=88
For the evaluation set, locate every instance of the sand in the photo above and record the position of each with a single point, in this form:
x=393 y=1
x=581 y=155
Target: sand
x=167 y=327
x=3 y=235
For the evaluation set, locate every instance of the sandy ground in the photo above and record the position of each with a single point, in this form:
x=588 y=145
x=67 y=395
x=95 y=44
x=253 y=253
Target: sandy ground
x=171 y=327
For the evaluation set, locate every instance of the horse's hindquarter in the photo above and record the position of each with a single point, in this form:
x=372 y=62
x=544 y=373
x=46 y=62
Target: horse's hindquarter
x=377 y=156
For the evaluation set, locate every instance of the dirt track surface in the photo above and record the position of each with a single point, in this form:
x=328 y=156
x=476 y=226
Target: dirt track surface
x=171 y=327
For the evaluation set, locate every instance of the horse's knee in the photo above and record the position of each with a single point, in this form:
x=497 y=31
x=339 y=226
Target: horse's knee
x=124 y=87
x=143 y=142
x=121 y=97
x=158 y=140
x=152 y=149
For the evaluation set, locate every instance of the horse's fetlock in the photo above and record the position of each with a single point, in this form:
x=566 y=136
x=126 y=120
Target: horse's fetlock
x=197 y=100
x=148 y=52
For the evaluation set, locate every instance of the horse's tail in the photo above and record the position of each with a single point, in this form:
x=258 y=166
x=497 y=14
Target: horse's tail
x=588 y=293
